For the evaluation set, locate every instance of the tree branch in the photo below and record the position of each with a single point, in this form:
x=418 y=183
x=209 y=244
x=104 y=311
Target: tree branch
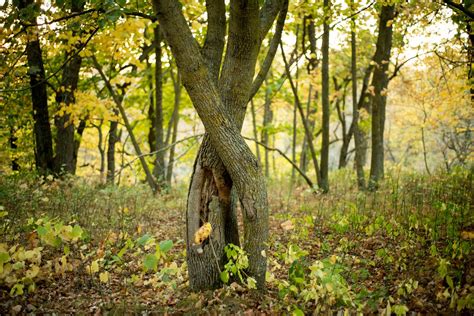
x=305 y=177
x=459 y=7
x=273 y=47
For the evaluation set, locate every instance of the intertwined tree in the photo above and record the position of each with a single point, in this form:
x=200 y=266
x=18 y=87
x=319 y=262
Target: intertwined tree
x=220 y=87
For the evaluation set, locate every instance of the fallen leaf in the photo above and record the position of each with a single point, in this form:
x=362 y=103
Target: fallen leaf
x=287 y=225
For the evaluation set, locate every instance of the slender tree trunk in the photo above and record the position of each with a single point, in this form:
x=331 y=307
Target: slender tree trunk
x=64 y=143
x=177 y=101
x=310 y=111
x=13 y=146
x=306 y=126
x=255 y=132
x=358 y=160
x=340 y=104
x=42 y=128
x=113 y=139
x=295 y=115
x=77 y=140
x=151 y=109
x=325 y=100
x=101 y=150
x=159 y=168
x=379 y=97
x=118 y=102
x=267 y=121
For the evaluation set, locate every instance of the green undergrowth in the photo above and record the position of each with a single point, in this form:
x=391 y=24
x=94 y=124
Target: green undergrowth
x=405 y=248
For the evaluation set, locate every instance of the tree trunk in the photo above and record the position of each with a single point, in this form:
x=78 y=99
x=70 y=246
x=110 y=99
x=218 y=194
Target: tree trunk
x=113 y=139
x=77 y=140
x=64 y=143
x=307 y=128
x=174 y=132
x=267 y=121
x=358 y=160
x=340 y=104
x=118 y=102
x=151 y=109
x=379 y=97
x=255 y=132
x=159 y=168
x=224 y=160
x=42 y=128
x=13 y=146
x=325 y=100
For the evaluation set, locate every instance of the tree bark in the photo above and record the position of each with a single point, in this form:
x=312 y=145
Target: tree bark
x=64 y=144
x=113 y=139
x=77 y=139
x=159 y=168
x=379 y=97
x=358 y=160
x=325 y=100
x=267 y=121
x=42 y=127
x=255 y=132
x=222 y=115
x=174 y=132
x=13 y=146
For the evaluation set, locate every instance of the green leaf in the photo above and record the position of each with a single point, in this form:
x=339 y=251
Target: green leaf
x=150 y=262
x=297 y=312
x=142 y=241
x=166 y=245
x=17 y=289
x=4 y=257
x=449 y=280
x=77 y=232
x=42 y=231
x=224 y=276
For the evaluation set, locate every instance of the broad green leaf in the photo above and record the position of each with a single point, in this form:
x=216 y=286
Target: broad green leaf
x=150 y=262
x=17 y=289
x=166 y=245
x=297 y=312
x=4 y=257
x=77 y=232
x=224 y=276
x=142 y=241
x=42 y=231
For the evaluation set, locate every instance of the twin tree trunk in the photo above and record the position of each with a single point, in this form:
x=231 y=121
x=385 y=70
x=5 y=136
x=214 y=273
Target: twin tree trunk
x=379 y=97
x=224 y=163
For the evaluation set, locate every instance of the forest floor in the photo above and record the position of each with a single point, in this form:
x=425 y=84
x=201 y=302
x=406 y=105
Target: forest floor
x=68 y=247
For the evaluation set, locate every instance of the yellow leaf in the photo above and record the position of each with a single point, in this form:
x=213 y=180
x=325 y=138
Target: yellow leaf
x=32 y=272
x=333 y=259
x=467 y=235
x=94 y=267
x=202 y=233
x=104 y=277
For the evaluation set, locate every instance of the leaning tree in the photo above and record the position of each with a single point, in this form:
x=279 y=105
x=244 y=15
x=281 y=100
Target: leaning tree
x=220 y=86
